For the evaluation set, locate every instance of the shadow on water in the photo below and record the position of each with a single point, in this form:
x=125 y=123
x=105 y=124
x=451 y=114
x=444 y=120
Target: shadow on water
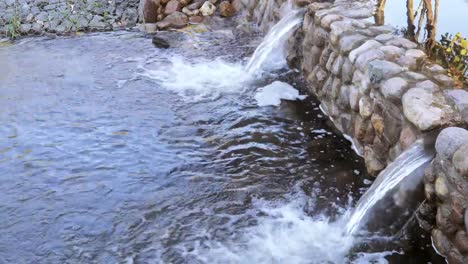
x=437 y=25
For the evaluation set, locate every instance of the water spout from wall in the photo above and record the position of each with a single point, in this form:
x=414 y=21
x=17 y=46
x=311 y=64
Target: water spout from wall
x=410 y=163
x=270 y=53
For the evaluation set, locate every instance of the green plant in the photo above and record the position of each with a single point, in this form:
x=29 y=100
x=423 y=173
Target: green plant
x=451 y=52
x=13 y=26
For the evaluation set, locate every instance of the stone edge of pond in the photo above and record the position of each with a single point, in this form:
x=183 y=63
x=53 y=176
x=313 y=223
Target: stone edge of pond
x=385 y=92
x=64 y=17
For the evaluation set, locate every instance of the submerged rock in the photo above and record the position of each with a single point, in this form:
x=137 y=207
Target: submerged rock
x=161 y=43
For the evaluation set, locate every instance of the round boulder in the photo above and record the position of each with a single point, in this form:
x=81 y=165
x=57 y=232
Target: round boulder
x=450 y=140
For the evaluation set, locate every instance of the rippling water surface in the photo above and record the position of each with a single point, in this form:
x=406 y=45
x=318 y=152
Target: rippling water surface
x=113 y=151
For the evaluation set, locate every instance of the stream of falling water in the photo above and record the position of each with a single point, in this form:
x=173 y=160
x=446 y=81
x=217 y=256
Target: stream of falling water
x=114 y=152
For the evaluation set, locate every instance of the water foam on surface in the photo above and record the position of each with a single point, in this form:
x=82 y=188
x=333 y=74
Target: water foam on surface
x=285 y=234
x=197 y=80
x=273 y=93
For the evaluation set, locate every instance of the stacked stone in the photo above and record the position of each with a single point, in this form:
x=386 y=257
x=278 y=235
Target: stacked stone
x=446 y=188
x=65 y=16
x=164 y=14
x=376 y=86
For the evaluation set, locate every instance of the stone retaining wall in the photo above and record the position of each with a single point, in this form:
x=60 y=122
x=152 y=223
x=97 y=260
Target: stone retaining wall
x=446 y=190
x=65 y=16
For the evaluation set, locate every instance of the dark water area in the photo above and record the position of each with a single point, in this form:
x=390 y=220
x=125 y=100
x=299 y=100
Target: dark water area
x=112 y=151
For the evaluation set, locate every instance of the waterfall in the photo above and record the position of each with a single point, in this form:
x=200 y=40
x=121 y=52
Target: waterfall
x=415 y=158
x=271 y=51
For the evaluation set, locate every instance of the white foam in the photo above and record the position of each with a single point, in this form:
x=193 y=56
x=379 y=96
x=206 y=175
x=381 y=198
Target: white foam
x=285 y=235
x=272 y=94
x=197 y=80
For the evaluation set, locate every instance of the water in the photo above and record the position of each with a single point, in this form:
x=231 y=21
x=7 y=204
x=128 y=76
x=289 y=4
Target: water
x=115 y=152
x=411 y=161
x=269 y=54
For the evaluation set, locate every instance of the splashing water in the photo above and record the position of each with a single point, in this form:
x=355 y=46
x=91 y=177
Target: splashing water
x=197 y=80
x=285 y=235
x=410 y=161
x=269 y=54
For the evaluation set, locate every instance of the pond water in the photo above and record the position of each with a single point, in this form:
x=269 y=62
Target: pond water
x=451 y=15
x=113 y=151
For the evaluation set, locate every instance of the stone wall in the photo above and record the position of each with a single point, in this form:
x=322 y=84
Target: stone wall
x=64 y=16
x=379 y=88
x=446 y=190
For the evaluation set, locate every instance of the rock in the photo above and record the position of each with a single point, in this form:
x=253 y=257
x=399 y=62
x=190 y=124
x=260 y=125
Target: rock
x=195 y=19
x=348 y=43
x=427 y=85
x=394 y=88
x=466 y=221
x=407 y=137
x=378 y=124
x=190 y=12
x=441 y=243
x=426 y=110
x=379 y=70
x=148 y=10
x=363 y=60
x=365 y=107
x=402 y=43
x=458 y=97
x=194 y=6
x=226 y=9
x=449 y=141
x=416 y=53
x=354 y=98
x=441 y=188
x=460 y=160
x=172 y=6
x=174 y=20
x=184 y=3
x=373 y=164
x=207 y=9
x=368 y=45
x=160 y=42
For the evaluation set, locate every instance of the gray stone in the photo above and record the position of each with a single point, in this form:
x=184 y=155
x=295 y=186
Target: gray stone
x=458 y=97
x=402 y=43
x=354 y=97
x=394 y=88
x=391 y=52
x=415 y=53
x=444 y=80
x=348 y=43
x=425 y=109
x=338 y=28
x=433 y=69
x=328 y=19
x=385 y=37
x=450 y=140
x=408 y=62
x=460 y=160
x=366 y=57
x=466 y=221
x=174 y=20
x=427 y=85
x=347 y=72
x=414 y=76
x=379 y=70
x=368 y=45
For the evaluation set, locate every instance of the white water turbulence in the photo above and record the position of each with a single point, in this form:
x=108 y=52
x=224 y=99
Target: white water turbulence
x=410 y=161
x=194 y=81
x=272 y=94
x=284 y=234
x=269 y=55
